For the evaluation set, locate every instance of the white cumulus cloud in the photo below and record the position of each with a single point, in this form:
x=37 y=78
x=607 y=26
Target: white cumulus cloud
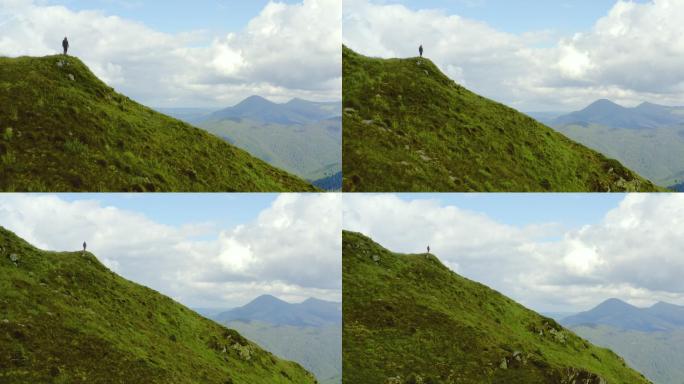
x=287 y=50
x=291 y=250
x=634 y=53
x=633 y=253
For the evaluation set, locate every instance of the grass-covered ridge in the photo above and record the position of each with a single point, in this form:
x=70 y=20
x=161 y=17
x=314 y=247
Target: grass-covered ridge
x=408 y=127
x=62 y=129
x=409 y=319
x=66 y=318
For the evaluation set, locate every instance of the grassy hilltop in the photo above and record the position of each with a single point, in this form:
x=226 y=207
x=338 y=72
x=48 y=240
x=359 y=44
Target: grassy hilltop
x=408 y=127
x=62 y=129
x=66 y=318
x=408 y=319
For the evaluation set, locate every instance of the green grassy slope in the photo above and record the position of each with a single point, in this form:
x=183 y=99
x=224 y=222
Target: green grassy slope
x=408 y=127
x=65 y=318
x=318 y=349
x=409 y=319
x=62 y=129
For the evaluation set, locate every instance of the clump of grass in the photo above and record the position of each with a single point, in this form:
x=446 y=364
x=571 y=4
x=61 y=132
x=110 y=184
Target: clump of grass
x=74 y=146
x=7 y=134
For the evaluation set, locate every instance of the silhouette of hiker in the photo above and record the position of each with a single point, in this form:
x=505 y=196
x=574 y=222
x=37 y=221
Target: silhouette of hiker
x=428 y=249
x=84 y=246
x=65 y=45
x=420 y=49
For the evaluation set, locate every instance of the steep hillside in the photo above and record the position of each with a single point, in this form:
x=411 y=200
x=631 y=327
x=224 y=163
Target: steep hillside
x=62 y=129
x=409 y=319
x=408 y=127
x=65 y=318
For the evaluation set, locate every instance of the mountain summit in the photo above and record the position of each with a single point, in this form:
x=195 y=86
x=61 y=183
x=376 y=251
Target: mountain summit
x=296 y=111
x=66 y=318
x=409 y=319
x=609 y=114
x=617 y=313
x=408 y=127
x=270 y=309
x=62 y=129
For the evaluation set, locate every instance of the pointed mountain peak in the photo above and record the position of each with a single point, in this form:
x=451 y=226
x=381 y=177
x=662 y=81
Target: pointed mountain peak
x=267 y=299
x=615 y=303
x=255 y=100
x=604 y=104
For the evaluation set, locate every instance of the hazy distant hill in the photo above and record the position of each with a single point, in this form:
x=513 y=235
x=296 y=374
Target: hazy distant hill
x=609 y=114
x=651 y=339
x=408 y=127
x=270 y=309
x=300 y=136
x=66 y=318
x=648 y=138
x=409 y=319
x=309 y=333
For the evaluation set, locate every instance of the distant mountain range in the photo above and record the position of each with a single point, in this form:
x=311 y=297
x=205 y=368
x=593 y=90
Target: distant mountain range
x=651 y=339
x=410 y=319
x=309 y=332
x=648 y=138
x=607 y=113
x=311 y=312
x=303 y=137
x=617 y=313
x=296 y=111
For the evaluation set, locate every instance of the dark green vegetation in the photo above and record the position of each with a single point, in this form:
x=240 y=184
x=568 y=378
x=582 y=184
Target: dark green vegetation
x=65 y=318
x=409 y=319
x=650 y=339
x=648 y=138
x=65 y=130
x=309 y=333
x=408 y=127
x=302 y=137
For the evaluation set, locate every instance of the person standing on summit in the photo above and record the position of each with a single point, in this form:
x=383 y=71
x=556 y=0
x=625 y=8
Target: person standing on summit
x=420 y=50
x=65 y=45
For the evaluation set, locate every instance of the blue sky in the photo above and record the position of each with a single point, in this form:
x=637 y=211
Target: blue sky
x=215 y=16
x=223 y=210
x=565 y=16
x=202 y=53
x=520 y=209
